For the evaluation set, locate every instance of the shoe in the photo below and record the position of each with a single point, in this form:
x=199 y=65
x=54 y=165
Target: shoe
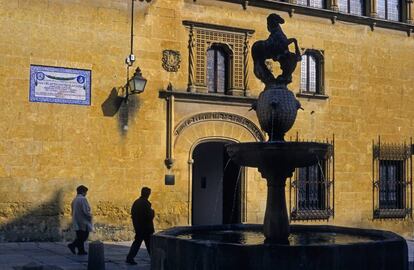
x=131 y=262
x=72 y=248
x=82 y=253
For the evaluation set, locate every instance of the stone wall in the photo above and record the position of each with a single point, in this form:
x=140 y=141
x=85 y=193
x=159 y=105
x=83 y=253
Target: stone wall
x=46 y=150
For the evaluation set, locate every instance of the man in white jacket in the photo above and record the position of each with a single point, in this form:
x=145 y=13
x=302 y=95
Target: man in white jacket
x=81 y=220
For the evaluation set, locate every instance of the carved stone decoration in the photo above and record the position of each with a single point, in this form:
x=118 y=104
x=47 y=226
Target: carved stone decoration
x=246 y=65
x=191 y=46
x=201 y=37
x=221 y=116
x=171 y=60
x=409 y=12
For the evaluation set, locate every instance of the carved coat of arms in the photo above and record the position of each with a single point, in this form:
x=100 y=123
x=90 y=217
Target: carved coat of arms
x=171 y=60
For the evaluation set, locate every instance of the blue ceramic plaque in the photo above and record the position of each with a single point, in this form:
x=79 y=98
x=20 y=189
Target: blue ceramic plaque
x=60 y=85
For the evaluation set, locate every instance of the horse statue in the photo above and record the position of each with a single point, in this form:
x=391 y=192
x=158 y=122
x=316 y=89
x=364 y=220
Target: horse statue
x=275 y=47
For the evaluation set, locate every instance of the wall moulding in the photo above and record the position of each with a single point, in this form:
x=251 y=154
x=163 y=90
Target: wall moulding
x=209 y=98
x=171 y=97
x=332 y=15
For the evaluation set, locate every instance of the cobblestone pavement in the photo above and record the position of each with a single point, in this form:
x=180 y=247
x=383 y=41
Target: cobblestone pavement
x=56 y=256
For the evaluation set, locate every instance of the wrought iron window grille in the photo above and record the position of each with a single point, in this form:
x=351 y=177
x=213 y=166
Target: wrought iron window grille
x=392 y=180
x=312 y=189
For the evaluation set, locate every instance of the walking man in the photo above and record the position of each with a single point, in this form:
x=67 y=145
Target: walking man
x=81 y=219
x=142 y=218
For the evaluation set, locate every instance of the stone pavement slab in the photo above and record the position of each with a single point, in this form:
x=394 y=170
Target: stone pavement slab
x=13 y=256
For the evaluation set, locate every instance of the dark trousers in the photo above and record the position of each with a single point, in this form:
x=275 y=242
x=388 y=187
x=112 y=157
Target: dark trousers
x=81 y=237
x=137 y=244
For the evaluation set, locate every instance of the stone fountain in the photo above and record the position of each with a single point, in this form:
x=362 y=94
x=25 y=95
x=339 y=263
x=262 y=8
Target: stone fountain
x=276 y=244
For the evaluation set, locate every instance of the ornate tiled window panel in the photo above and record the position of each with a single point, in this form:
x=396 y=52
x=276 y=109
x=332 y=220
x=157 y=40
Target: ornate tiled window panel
x=392 y=180
x=236 y=40
x=206 y=38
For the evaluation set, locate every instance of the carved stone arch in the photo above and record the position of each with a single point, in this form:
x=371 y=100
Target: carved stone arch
x=228 y=53
x=228 y=48
x=209 y=139
x=319 y=57
x=219 y=117
x=205 y=127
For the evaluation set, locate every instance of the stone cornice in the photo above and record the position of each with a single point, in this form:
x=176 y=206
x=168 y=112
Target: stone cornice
x=309 y=96
x=328 y=14
x=219 y=27
x=209 y=98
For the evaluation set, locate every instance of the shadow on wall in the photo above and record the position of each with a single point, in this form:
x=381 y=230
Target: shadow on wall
x=112 y=103
x=47 y=223
x=126 y=108
x=42 y=223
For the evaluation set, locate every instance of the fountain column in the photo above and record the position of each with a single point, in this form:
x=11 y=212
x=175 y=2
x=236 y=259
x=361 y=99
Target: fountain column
x=276 y=221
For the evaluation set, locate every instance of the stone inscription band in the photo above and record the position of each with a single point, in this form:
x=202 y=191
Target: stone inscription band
x=223 y=116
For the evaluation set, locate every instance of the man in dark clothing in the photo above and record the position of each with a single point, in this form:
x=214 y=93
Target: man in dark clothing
x=142 y=218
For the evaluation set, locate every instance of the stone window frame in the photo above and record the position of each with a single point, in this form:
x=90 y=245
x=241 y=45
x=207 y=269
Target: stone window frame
x=309 y=4
x=201 y=37
x=320 y=93
x=401 y=10
x=384 y=154
x=352 y=3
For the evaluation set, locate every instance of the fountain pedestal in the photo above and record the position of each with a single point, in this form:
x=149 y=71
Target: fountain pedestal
x=276 y=161
x=276 y=220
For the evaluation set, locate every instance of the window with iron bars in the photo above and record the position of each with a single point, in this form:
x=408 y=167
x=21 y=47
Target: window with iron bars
x=312 y=190
x=392 y=180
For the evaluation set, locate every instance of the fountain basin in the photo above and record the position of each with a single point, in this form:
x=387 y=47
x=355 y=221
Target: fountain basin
x=240 y=246
x=280 y=153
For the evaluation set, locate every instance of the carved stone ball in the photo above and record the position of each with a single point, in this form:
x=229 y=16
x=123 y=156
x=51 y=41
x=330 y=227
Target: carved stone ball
x=276 y=110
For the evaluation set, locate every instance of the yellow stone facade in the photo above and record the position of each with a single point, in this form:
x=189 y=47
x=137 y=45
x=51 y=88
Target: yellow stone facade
x=46 y=150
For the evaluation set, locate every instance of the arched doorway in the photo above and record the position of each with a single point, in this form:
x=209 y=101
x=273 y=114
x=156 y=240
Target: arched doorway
x=217 y=186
